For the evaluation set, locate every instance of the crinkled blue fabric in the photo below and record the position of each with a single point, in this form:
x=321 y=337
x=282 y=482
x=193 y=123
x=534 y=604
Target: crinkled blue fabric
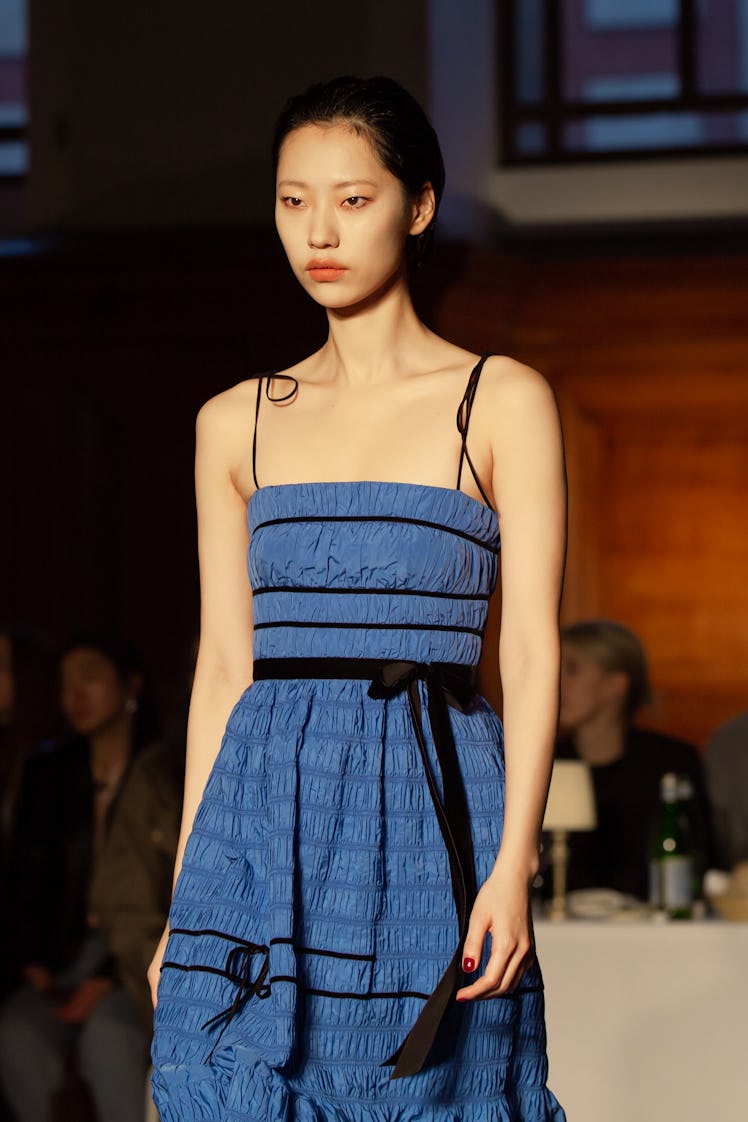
x=316 y=841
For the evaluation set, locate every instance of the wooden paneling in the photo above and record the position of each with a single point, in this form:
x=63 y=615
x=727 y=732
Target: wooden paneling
x=649 y=360
x=111 y=345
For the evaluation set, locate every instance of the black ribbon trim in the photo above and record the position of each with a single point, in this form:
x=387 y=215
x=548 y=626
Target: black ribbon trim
x=196 y=932
x=443 y=527
x=371 y=995
x=447 y=684
x=239 y=969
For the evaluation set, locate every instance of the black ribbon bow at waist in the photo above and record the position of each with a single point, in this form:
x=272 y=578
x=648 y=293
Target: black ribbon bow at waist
x=447 y=684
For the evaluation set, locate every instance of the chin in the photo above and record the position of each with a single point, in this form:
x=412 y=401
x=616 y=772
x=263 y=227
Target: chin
x=335 y=300
x=343 y=296
x=86 y=726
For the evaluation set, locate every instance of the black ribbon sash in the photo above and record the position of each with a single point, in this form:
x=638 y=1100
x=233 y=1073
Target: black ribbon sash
x=447 y=684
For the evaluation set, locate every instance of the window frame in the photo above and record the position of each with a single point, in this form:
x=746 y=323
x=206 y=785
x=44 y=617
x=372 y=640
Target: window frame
x=10 y=133
x=19 y=132
x=555 y=111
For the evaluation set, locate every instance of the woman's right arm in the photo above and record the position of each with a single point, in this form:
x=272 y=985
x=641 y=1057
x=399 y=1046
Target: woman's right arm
x=224 y=662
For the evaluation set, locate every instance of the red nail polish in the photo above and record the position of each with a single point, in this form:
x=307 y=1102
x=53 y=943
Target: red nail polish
x=468 y=965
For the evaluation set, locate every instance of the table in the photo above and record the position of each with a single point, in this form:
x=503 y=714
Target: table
x=647 y=1021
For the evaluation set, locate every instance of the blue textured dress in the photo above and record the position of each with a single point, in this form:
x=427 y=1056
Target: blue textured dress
x=315 y=911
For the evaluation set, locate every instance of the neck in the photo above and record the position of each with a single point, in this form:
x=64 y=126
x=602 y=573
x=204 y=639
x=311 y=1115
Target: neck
x=111 y=747
x=601 y=739
x=374 y=341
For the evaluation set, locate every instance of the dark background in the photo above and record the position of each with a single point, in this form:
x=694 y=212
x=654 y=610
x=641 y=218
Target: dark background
x=140 y=274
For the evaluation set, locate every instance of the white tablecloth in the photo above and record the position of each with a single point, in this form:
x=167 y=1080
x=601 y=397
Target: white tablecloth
x=647 y=1022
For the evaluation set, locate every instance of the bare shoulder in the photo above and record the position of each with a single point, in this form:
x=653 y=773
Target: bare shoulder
x=519 y=418
x=229 y=408
x=512 y=389
x=224 y=432
x=226 y=421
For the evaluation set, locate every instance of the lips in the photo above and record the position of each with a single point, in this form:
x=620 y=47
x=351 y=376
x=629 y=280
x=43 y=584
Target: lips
x=325 y=270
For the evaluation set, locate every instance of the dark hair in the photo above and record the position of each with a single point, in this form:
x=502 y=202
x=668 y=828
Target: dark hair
x=126 y=660
x=617 y=649
x=393 y=122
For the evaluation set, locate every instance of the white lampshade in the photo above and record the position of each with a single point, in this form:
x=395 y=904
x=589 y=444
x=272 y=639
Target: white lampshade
x=571 y=798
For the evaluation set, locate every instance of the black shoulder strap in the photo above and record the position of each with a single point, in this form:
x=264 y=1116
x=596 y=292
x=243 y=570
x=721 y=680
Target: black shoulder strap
x=463 y=421
x=269 y=376
x=254 y=436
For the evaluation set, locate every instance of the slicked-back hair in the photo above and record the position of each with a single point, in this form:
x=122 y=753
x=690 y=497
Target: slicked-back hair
x=393 y=122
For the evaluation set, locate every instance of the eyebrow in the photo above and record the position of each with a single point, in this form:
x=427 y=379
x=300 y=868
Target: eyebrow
x=336 y=186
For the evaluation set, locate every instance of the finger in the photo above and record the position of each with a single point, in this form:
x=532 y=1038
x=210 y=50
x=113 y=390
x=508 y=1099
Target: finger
x=491 y=976
x=505 y=957
x=514 y=972
x=472 y=951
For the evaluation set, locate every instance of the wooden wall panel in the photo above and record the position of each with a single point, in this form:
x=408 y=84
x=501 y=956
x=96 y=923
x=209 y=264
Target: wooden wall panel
x=112 y=344
x=649 y=360
x=673 y=559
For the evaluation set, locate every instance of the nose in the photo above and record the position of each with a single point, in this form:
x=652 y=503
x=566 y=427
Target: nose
x=322 y=232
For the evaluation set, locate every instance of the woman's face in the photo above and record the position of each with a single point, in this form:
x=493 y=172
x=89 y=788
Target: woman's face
x=92 y=693
x=587 y=688
x=342 y=217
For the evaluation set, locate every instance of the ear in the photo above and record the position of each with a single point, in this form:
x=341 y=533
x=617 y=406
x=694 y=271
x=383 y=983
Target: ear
x=423 y=209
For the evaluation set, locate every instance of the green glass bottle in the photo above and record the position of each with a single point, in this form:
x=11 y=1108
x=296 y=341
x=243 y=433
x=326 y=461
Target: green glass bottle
x=694 y=825
x=671 y=864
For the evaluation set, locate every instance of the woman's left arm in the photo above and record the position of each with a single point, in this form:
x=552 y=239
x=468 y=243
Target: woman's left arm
x=529 y=487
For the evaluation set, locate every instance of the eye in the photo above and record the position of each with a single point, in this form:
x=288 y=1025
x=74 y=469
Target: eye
x=355 y=202
x=291 y=201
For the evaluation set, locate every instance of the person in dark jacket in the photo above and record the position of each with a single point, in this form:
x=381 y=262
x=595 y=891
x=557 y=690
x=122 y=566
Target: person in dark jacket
x=68 y=998
x=604 y=683
x=131 y=890
x=133 y=884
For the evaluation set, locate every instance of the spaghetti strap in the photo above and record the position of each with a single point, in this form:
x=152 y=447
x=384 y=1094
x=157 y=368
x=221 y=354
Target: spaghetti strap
x=254 y=435
x=463 y=421
x=269 y=376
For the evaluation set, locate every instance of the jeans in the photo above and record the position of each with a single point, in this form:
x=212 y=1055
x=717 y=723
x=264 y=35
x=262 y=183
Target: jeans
x=111 y=1050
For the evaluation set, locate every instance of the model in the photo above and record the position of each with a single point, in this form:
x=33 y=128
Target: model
x=350 y=934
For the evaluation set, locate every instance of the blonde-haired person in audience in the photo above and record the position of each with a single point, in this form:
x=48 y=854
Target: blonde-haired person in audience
x=604 y=684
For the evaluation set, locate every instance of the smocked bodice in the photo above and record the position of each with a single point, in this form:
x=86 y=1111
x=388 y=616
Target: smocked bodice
x=370 y=569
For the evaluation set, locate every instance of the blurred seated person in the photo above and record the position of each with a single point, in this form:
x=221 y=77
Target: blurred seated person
x=726 y=763
x=132 y=887
x=604 y=682
x=68 y=999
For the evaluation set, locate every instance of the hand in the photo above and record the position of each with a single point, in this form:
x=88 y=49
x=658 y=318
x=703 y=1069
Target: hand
x=37 y=976
x=154 y=970
x=502 y=907
x=83 y=1000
